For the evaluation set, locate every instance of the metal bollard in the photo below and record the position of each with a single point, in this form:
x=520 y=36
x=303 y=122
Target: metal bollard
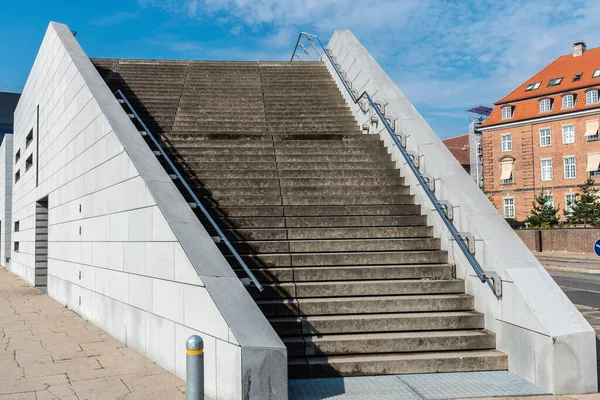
x=194 y=368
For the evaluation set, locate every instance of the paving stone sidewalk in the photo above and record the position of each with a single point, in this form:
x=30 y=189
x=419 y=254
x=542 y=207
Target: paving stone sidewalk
x=49 y=352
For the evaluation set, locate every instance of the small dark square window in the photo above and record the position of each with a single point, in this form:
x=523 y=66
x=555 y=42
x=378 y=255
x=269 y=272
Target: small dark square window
x=17 y=226
x=29 y=138
x=577 y=77
x=29 y=162
x=18 y=156
x=17 y=176
x=16 y=247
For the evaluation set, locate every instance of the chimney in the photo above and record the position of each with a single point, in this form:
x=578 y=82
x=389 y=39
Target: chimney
x=578 y=49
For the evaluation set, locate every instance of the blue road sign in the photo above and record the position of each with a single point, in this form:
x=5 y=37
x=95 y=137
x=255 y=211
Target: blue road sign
x=597 y=247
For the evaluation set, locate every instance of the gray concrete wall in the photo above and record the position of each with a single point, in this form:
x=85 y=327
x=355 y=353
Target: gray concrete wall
x=547 y=340
x=6 y=176
x=124 y=248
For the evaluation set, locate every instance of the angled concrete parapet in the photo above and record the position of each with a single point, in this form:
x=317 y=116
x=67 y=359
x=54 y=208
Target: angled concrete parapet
x=124 y=248
x=547 y=340
x=6 y=176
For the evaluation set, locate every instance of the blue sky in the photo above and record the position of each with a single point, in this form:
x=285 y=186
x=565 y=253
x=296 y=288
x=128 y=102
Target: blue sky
x=446 y=55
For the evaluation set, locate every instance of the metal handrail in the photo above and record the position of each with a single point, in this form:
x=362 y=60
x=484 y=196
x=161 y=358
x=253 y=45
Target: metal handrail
x=190 y=191
x=460 y=240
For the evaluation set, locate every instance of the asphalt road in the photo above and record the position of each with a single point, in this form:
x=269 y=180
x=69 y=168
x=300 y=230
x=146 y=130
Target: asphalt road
x=582 y=289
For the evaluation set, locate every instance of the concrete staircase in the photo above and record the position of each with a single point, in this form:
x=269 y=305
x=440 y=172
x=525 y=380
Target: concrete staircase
x=355 y=283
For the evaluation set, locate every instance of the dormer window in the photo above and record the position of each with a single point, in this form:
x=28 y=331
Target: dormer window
x=507 y=112
x=568 y=101
x=555 y=82
x=591 y=97
x=545 y=105
x=533 y=86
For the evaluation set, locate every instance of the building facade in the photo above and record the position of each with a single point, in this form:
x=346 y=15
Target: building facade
x=544 y=135
x=460 y=148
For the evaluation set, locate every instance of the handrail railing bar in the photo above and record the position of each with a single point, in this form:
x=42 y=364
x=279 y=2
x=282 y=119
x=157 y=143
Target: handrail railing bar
x=453 y=231
x=192 y=194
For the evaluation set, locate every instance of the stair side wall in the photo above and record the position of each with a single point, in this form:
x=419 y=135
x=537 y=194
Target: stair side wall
x=6 y=176
x=547 y=340
x=124 y=248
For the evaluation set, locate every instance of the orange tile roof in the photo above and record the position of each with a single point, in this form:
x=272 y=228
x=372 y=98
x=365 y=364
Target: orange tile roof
x=526 y=103
x=459 y=147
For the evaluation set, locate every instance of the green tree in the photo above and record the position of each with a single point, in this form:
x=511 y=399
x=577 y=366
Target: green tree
x=543 y=213
x=586 y=207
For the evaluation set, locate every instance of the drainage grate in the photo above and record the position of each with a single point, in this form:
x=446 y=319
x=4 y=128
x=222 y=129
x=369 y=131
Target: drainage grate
x=469 y=384
x=357 y=388
x=413 y=387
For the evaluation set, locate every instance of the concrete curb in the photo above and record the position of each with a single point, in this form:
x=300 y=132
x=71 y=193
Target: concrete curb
x=571 y=269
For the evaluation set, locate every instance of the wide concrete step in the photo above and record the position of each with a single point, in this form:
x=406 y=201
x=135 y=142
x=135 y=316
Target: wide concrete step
x=270 y=200
x=300 y=211
x=349 y=273
x=186 y=149
x=397 y=363
x=312 y=246
x=366 y=141
x=342 y=258
x=285 y=159
x=325 y=233
x=400 y=322
x=330 y=289
x=317 y=222
x=388 y=342
x=272 y=173
x=302 y=191
x=196 y=135
x=288 y=184
x=365 y=305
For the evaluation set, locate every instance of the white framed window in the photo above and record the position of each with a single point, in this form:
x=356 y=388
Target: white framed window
x=545 y=137
x=569 y=199
x=507 y=112
x=509 y=207
x=568 y=101
x=570 y=167
x=547 y=169
x=568 y=134
x=591 y=97
x=533 y=86
x=596 y=73
x=545 y=105
x=550 y=201
x=506 y=142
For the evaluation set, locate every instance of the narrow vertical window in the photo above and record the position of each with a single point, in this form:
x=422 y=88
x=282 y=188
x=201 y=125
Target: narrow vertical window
x=570 y=167
x=568 y=134
x=591 y=97
x=545 y=137
x=507 y=112
x=509 y=207
x=506 y=142
x=547 y=170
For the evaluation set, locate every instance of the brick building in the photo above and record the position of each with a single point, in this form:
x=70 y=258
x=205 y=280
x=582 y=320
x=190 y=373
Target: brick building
x=544 y=134
x=460 y=148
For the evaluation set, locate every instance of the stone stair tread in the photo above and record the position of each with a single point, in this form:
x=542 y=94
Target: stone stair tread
x=396 y=363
